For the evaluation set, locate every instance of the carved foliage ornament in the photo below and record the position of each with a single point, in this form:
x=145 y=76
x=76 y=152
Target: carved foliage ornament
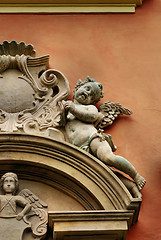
x=29 y=92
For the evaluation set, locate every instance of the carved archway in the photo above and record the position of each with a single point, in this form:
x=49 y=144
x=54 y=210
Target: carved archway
x=77 y=174
x=85 y=198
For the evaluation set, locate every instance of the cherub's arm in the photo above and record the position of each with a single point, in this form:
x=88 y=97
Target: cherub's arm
x=86 y=113
x=23 y=203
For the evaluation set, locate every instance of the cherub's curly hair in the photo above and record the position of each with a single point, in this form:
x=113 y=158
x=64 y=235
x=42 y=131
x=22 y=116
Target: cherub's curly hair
x=14 y=176
x=88 y=80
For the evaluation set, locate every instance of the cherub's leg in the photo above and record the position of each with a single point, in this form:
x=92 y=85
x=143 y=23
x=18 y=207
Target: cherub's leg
x=131 y=186
x=103 y=151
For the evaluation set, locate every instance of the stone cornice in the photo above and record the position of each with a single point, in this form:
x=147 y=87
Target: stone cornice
x=69 y=6
x=91 y=224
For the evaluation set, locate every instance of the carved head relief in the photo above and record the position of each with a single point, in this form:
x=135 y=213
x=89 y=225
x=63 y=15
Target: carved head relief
x=9 y=183
x=88 y=92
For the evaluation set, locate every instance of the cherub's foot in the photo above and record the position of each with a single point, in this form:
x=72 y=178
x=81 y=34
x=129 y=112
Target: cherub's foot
x=135 y=192
x=140 y=181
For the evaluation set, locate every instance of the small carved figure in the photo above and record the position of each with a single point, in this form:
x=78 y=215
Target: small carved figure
x=32 y=216
x=9 y=202
x=82 y=119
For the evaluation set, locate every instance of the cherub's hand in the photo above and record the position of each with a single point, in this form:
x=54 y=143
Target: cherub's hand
x=68 y=105
x=19 y=216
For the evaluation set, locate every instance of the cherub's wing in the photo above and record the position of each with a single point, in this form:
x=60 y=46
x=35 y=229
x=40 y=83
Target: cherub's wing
x=32 y=199
x=108 y=112
x=38 y=216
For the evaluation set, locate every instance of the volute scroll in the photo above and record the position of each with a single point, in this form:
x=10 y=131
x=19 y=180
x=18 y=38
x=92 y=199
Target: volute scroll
x=31 y=105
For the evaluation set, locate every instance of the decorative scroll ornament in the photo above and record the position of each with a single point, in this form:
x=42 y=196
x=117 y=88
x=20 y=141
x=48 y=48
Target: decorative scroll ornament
x=21 y=211
x=29 y=92
x=37 y=216
x=32 y=100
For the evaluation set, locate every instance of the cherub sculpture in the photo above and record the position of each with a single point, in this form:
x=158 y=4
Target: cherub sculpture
x=85 y=122
x=9 y=201
x=23 y=207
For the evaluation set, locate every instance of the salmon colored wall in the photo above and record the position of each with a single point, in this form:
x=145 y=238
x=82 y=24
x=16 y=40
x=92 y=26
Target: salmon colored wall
x=123 y=52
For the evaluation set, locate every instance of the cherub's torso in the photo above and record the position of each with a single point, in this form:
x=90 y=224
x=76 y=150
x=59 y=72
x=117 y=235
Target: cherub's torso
x=78 y=131
x=8 y=205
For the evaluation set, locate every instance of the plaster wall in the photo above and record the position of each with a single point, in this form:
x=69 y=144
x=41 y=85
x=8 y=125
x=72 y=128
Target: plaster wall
x=123 y=52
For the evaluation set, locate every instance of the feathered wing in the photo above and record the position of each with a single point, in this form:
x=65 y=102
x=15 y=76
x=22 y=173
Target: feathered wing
x=38 y=216
x=108 y=112
x=32 y=199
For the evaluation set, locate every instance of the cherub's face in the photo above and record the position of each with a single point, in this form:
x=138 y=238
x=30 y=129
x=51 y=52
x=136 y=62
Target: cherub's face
x=88 y=93
x=9 y=185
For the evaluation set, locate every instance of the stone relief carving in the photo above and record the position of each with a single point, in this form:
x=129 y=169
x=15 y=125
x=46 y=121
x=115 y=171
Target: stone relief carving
x=33 y=100
x=84 y=124
x=29 y=92
x=20 y=212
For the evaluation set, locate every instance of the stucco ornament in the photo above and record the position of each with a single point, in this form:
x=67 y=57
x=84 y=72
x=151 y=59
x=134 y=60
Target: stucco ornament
x=33 y=100
x=84 y=124
x=20 y=212
x=30 y=92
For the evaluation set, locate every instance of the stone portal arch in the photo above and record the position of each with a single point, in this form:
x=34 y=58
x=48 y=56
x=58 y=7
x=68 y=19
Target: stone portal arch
x=86 y=199
x=102 y=204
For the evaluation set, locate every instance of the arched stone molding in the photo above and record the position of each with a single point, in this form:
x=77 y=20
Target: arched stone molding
x=68 y=168
x=85 y=198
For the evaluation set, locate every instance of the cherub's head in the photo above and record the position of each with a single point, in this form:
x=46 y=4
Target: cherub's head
x=9 y=183
x=88 y=92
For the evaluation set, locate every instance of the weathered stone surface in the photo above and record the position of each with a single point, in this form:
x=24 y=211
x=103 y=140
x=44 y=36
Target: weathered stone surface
x=31 y=213
x=72 y=171
x=82 y=119
x=12 y=228
x=30 y=94
x=42 y=138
